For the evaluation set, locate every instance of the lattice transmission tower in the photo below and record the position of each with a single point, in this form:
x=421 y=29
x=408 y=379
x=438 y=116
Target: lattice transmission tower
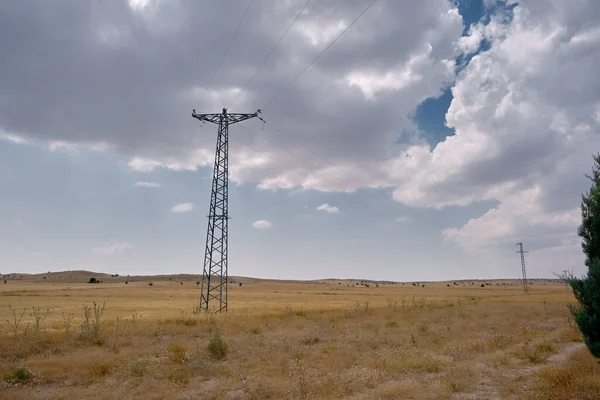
x=215 y=273
x=525 y=287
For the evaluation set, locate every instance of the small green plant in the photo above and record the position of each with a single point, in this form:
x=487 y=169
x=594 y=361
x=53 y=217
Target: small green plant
x=18 y=375
x=255 y=331
x=217 y=347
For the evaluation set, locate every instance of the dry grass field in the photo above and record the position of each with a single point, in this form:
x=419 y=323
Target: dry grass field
x=314 y=340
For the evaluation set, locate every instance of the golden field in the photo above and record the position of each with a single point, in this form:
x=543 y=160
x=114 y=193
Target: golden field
x=305 y=340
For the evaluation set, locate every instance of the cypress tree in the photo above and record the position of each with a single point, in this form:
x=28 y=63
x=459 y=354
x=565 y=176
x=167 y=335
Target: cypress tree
x=587 y=289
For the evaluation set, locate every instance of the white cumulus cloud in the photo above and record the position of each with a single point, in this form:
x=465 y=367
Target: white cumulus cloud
x=111 y=248
x=145 y=184
x=327 y=208
x=524 y=113
x=262 y=224
x=183 y=207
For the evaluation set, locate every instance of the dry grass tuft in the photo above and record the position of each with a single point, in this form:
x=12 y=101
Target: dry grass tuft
x=101 y=369
x=176 y=353
x=578 y=378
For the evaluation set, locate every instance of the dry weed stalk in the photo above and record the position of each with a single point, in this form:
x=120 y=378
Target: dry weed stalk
x=16 y=320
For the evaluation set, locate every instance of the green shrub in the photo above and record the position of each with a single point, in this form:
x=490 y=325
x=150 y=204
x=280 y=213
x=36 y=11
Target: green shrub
x=217 y=347
x=587 y=289
x=18 y=375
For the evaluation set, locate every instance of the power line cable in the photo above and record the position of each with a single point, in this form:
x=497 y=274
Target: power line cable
x=318 y=56
x=271 y=52
x=295 y=79
x=225 y=52
x=414 y=213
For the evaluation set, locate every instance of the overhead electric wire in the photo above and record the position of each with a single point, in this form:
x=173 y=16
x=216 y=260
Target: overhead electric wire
x=318 y=56
x=271 y=52
x=291 y=82
x=414 y=213
x=225 y=52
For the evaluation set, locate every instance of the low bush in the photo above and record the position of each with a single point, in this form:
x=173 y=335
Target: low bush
x=217 y=347
x=18 y=375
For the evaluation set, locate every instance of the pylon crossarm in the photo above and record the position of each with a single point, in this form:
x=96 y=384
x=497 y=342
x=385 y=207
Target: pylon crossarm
x=231 y=118
x=235 y=118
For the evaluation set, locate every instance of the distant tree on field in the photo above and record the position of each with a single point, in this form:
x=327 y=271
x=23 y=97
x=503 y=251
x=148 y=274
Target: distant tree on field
x=92 y=280
x=587 y=289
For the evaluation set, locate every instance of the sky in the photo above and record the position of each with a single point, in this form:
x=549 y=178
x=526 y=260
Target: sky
x=404 y=140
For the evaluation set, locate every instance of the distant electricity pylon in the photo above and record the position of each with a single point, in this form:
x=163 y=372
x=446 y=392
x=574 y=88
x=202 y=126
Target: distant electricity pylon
x=525 y=288
x=215 y=274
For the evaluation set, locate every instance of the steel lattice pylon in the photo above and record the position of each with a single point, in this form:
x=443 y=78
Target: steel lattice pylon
x=215 y=273
x=522 y=252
